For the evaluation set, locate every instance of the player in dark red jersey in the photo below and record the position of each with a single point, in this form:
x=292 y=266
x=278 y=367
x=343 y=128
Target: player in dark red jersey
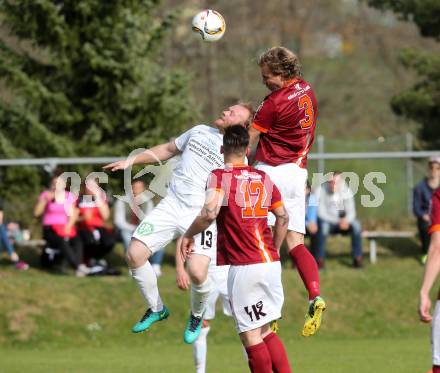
x=284 y=127
x=240 y=197
x=432 y=269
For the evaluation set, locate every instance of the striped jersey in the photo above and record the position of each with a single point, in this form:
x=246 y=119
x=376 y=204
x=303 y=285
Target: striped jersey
x=243 y=234
x=286 y=120
x=435 y=212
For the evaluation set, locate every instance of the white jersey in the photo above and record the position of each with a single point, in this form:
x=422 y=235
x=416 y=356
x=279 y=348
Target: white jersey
x=200 y=147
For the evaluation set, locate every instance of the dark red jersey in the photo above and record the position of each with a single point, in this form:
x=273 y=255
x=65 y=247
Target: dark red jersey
x=287 y=120
x=243 y=234
x=435 y=212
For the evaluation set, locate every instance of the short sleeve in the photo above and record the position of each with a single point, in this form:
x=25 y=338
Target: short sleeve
x=214 y=181
x=276 y=199
x=42 y=196
x=183 y=139
x=265 y=115
x=435 y=213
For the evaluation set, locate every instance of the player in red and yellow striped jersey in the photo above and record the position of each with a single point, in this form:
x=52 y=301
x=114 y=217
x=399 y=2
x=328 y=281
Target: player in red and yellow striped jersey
x=239 y=197
x=284 y=127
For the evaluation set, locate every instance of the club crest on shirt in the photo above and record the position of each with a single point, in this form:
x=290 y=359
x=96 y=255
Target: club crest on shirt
x=145 y=229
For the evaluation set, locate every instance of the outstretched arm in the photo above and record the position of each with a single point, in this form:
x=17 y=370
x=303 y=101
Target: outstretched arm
x=157 y=153
x=432 y=269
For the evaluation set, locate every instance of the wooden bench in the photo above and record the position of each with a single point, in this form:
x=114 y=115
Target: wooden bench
x=372 y=236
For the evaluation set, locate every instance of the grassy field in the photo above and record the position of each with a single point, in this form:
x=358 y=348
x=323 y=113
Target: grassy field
x=53 y=323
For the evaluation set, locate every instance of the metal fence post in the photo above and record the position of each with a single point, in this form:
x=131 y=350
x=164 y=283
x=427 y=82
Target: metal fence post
x=409 y=172
x=321 y=161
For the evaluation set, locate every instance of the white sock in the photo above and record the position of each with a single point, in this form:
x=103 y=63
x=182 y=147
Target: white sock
x=147 y=282
x=199 y=296
x=200 y=348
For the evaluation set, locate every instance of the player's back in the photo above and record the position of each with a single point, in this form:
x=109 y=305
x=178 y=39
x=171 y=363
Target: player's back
x=287 y=120
x=200 y=147
x=243 y=234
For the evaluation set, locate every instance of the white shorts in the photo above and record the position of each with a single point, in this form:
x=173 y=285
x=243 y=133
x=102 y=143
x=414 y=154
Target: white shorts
x=291 y=181
x=219 y=280
x=256 y=294
x=436 y=335
x=169 y=220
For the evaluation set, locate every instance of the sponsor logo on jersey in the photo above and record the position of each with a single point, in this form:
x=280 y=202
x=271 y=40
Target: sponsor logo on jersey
x=297 y=93
x=245 y=175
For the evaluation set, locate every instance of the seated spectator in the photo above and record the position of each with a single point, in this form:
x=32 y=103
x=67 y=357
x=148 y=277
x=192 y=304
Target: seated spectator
x=6 y=244
x=311 y=219
x=93 y=224
x=337 y=214
x=422 y=195
x=59 y=214
x=126 y=220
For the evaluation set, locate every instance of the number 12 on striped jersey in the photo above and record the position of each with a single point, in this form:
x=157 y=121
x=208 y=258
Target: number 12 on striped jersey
x=254 y=195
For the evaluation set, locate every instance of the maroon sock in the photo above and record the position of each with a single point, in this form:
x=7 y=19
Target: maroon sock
x=280 y=362
x=259 y=358
x=436 y=369
x=307 y=268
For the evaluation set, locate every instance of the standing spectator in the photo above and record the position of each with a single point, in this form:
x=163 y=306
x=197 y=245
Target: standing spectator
x=422 y=196
x=6 y=243
x=126 y=220
x=94 y=213
x=312 y=219
x=57 y=208
x=337 y=214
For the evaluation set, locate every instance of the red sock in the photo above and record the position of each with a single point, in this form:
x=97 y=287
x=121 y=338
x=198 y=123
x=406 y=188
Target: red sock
x=436 y=369
x=307 y=268
x=259 y=358
x=280 y=362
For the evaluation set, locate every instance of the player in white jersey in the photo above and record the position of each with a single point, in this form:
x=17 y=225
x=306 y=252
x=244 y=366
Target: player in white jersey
x=200 y=154
x=219 y=289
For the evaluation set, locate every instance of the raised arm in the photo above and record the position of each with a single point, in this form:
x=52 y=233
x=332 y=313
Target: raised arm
x=160 y=152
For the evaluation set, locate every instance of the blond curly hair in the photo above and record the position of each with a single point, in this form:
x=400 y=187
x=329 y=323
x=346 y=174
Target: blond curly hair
x=281 y=61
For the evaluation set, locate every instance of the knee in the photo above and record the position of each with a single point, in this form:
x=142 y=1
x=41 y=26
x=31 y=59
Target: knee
x=136 y=255
x=293 y=239
x=198 y=276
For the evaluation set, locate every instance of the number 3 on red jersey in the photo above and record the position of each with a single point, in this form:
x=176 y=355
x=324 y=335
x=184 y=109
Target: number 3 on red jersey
x=305 y=103
x=253 y=207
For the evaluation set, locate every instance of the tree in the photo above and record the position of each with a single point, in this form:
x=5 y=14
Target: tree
x=84 y=78
x=421 y=102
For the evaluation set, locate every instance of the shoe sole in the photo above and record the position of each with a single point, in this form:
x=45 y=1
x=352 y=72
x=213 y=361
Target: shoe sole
x=147 y=328
x=311 y=326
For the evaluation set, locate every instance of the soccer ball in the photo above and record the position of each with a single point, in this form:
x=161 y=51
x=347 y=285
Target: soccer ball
x=209 y=24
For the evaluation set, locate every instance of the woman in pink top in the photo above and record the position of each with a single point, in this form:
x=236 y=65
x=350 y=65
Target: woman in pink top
x=59 y=214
